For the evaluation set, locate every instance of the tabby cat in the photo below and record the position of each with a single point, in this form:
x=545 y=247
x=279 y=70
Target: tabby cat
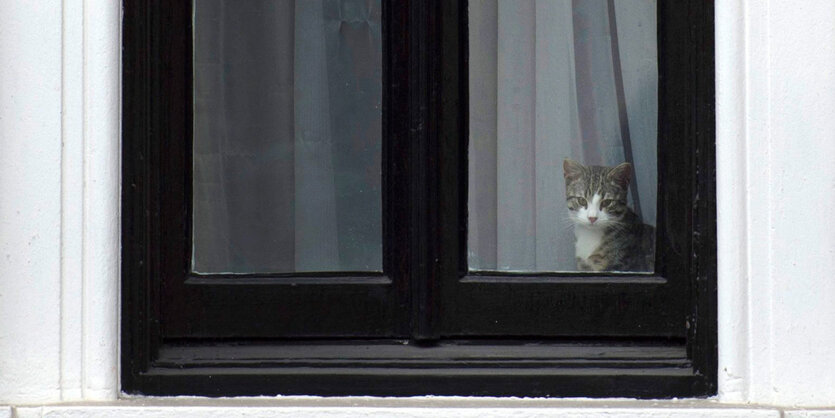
x=609 y=235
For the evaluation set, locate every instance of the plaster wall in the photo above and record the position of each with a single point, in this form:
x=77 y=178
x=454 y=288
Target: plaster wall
x=59 y=213
x=59 y=200
x=30 y=200
x=775 y=149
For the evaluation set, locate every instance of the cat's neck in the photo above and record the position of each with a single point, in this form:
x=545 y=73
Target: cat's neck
x=587 y=240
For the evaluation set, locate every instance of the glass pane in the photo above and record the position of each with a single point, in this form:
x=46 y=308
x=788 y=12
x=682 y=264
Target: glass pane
x=287 y=136
x=562 y=93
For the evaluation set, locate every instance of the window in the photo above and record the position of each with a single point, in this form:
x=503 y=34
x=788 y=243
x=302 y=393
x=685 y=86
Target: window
x=382 y=295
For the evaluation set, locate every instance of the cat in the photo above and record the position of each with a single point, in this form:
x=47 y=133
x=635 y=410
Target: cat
x=609 y=235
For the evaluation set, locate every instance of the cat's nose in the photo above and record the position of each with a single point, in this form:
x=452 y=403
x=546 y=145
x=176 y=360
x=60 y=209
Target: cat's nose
x=592 y=219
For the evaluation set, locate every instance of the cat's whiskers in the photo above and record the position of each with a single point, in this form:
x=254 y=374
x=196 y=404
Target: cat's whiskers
x=567 y=222
x=568 y=226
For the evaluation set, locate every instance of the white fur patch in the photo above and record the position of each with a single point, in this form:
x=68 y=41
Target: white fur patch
x=594 y=206
x=589 y=235
x=588 y=239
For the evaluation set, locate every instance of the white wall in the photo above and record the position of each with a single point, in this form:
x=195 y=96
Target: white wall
x=59 y=223
x=30 y=199
x=776 y=149
x=59 y=174
x=801 y=117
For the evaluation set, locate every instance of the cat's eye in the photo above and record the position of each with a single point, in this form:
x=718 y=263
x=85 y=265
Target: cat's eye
x=582 y=202
x=605 y=203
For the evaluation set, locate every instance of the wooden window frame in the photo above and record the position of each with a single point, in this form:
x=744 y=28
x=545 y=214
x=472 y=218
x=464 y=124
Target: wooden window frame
x=600 y=347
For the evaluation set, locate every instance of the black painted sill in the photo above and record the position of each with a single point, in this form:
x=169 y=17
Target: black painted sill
x=645 y=370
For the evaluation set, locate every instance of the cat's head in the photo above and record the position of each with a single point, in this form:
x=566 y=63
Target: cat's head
x=596 y=196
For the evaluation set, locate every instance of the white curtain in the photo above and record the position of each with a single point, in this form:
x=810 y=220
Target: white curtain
x=287 y=136
x=554 y=79
x=315 y=213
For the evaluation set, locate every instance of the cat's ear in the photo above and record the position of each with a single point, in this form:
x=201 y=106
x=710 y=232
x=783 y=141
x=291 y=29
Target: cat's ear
x=622 y=175
x=572 y=170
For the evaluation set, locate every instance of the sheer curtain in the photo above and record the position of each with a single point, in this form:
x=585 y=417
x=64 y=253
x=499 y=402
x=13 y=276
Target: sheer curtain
x=554 y=79
x=287 y=136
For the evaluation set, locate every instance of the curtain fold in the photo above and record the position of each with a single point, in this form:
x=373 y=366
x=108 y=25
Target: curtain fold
x=482 y=204
x=516 y=134
x=316 y=232
x=354 y=72
x=555 y=90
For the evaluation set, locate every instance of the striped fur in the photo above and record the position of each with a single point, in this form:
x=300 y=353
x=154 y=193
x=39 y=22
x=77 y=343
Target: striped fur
x=608 y=234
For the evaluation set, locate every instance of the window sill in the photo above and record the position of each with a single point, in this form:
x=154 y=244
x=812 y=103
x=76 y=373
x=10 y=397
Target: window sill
x=644 y=370
x=435 y=407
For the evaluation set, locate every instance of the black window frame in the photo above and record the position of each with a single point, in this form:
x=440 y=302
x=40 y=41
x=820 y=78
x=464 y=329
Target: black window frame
x=174 y=343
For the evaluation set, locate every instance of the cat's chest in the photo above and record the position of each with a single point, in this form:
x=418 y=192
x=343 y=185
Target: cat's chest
x=587 y=240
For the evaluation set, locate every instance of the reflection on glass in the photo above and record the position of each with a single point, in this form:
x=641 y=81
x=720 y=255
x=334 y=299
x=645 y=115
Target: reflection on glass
x=287 y=136
x=562 y=93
